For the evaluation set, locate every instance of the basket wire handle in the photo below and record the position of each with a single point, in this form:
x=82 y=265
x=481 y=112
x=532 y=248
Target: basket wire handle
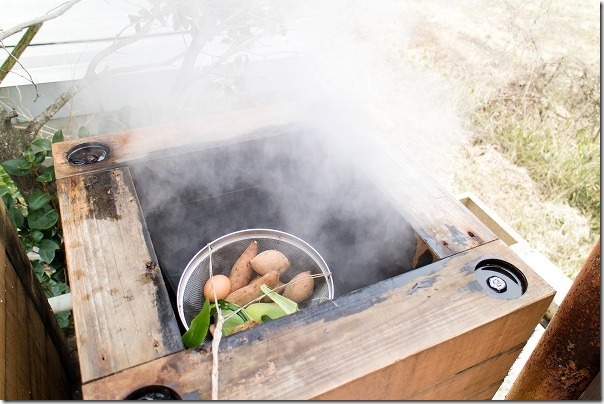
x=220 y=320
x=217 y=335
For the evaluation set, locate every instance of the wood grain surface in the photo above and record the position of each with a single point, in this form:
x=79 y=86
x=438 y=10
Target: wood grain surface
x=135 y=144
x=122 y=313
x=34 y=363
x=438 y=218
x=387 y=341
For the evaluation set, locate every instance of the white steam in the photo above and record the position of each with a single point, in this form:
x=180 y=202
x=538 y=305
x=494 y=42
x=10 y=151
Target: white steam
x=358 y=91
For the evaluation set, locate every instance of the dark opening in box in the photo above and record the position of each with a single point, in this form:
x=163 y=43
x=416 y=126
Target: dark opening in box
x=282 y=178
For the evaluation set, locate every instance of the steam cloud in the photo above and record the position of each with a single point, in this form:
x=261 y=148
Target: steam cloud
x=313 y=180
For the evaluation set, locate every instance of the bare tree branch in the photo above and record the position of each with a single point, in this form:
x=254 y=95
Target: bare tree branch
x=90 y=76
x=222 y=58
x=142 y=67
x=48 y=16
x=116 y=45
x=13 y=57
x=36 y=124
x=6 y=116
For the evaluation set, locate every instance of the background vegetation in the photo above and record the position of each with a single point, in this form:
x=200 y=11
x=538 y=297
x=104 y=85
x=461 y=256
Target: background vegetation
x=549 y=123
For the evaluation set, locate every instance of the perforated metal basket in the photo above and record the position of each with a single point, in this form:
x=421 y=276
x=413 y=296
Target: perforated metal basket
x=227 y=249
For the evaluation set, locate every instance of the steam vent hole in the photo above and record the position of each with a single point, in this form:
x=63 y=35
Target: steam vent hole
x=87 y=153
x=153 y=393
x=500 y=278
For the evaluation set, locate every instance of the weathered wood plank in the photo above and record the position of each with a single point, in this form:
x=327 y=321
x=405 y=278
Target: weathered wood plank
x=431 y=367
x=439 y=219
x=22 y=344
x=137 y=143
x=28 y=328
x=25 y=322
x=60 y=382
x=474 y=379
x=121 y=309
x=37 y=353
x=442 y=221
x=10 y=358
x=486 y=394
x=423 y=254
x=20 y=263
x=17 y=358
x=3 y=270
x=16 y=255
x=388 y=341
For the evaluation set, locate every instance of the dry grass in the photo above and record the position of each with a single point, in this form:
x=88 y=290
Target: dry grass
x=556 y=229
x=531 y=76
x=547 y=121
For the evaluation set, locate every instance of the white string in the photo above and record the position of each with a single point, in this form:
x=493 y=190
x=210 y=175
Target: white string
x=323 y=275
x=217 y=335
x=218 y=330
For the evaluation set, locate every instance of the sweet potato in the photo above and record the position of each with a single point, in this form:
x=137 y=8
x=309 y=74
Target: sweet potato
x=245 y=326
x=241 y=273
x=267 y=299
x=270 y=260
x=248 y=293
x=300 y=287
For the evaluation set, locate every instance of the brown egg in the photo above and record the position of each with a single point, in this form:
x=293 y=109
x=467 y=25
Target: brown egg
x=222 y=286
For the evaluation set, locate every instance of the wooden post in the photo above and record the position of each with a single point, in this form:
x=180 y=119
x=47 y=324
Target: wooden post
x=567 y=357
x=34 y=363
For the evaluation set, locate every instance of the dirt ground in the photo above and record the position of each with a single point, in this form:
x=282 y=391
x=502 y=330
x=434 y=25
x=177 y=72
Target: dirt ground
x=426 y=66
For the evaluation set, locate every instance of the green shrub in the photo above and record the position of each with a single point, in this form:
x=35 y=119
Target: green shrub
x=36 y=217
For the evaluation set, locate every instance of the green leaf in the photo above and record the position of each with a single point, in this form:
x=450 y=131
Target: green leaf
x=229 y=325
x=47 y=175
x=37 y=200
x=232 y=307
x=58 y=136
x=42 y=218
x=16 y=167
x=288 y=306
x=36 y=236
x=83 y=132
x=47 y=244
x=43 y=144
x=56 y=288
x=29 y=154
x=63 y=318
x=3 y=190
x=32 y=239
x=15 y=216
x=198 y=330
x=8 y=201
x=38 y=267
x=39 y=157
x=233 y=314
x=265 y=311
x=47 y=255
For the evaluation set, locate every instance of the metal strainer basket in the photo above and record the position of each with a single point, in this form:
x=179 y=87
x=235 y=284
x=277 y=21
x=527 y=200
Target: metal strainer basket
x=227 y=249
